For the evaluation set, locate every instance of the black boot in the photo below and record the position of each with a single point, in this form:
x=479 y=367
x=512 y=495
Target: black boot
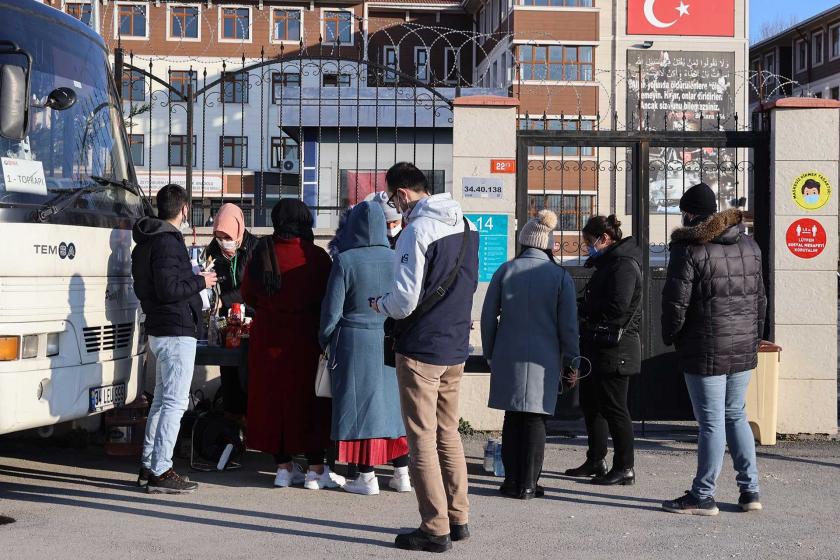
x=589 y=468
x=509 y=488
x=623 y=477
x=421 y=541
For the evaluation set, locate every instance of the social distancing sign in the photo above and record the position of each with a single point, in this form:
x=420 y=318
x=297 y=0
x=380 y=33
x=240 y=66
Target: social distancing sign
x=806 y=238
x=811 y=191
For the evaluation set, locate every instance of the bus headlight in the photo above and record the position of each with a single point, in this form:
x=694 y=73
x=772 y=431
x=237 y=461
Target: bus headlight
x=52 y=344
x=29 y=348
x=9 y=347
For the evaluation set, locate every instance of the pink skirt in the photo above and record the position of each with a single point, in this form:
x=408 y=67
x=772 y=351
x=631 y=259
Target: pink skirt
x=372 y=452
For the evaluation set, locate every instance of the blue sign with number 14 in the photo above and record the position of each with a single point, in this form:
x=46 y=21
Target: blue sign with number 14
x=493 y=243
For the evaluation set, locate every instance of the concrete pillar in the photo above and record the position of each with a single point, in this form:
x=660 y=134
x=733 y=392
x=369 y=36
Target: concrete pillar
x=805 y=144
x=484 y=182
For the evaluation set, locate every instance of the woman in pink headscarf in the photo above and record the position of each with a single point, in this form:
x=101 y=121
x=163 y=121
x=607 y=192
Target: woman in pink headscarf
x=231 y=248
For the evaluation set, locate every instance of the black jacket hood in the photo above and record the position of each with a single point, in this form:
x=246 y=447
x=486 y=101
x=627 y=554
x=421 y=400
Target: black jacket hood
x=625 y=248
x=723 y=228
x=146 y=228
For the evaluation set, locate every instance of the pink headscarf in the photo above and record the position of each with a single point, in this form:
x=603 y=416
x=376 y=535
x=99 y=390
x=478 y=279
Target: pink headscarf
x=229 y=220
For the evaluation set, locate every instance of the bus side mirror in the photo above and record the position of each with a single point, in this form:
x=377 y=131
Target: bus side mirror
x=13 y=102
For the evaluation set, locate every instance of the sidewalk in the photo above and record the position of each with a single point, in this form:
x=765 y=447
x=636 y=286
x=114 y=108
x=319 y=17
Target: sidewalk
x=82 y=505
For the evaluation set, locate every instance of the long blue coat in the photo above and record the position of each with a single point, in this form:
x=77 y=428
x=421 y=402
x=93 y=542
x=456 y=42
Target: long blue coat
x=366 y=400
x=529 y=331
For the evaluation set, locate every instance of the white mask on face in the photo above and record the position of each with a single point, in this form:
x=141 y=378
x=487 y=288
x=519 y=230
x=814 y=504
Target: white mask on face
x=185 y=224
x=228 y=245
x=394 y=231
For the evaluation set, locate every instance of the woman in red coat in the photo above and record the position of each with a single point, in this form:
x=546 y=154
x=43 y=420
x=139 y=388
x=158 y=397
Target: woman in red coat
x=285 y=284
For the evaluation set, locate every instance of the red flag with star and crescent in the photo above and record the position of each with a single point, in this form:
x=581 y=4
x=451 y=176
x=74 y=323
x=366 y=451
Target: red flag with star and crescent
x=713 y=18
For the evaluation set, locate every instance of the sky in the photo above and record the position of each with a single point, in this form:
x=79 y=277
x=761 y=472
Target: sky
x=768 y=10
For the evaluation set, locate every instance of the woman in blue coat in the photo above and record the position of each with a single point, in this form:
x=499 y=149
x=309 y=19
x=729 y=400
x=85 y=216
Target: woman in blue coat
x=529 y=331
x=366 y=420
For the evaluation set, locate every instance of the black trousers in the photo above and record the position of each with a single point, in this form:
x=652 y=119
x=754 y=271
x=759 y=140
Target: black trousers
x=234 y=399
x=603 y=398
x=523 y=448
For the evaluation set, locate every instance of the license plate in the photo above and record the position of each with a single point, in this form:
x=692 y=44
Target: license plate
x=107 y=397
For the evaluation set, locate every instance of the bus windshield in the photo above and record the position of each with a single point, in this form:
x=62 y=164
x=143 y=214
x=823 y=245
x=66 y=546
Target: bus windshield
x=79 y=148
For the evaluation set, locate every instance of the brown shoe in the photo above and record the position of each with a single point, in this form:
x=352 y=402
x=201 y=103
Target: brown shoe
x=170 y=482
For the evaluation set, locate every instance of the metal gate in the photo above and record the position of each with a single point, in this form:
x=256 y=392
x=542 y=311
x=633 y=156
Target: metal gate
x=642 y=174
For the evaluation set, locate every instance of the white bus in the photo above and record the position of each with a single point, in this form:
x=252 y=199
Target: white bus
x=70 y=325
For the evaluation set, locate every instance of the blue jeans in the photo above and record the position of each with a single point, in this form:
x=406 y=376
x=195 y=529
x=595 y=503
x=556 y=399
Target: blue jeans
x=719 y=407
x=175 y=357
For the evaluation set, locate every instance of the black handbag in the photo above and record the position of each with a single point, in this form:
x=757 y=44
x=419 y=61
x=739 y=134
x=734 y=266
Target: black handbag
x=608 y=336
x=394 y=329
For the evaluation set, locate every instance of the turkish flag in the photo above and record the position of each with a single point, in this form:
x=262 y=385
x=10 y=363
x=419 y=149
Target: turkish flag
x=715 y=18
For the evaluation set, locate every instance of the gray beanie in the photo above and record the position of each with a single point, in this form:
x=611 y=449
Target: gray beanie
x=538 y=232
x=381 y=198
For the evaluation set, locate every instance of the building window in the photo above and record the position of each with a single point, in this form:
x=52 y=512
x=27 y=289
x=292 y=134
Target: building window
x=495 y=74
x=236 y=24
x=834 y=42
x=180 y=80
x=131 y=20
x=338 y=27
x=284 y=154
x=558 y=3
x=81 y=11
x=183 y=22
x=133 y=86
x=452 y=65
x=421 y=63
x=286 y=25
x=178 y=150
x=235 y=88
x=391 y=60
x=818 y=46
x=801 y=56
x=137 y=147
x=336 y=80
x=280 y=80
x=529 y=123
x=572 y=210
x=556 y=63
x=233 y=151
x=835 y=93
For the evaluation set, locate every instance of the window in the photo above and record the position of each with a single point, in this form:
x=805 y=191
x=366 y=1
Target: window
x=558 y=3
x=336 y=80
x=391 y=59
x=771 y=82
x=421 y=63
x=236 y=24
x=137 y=145
x=184 y=22
x=835 y=93
x=286 y=25
x=131 y=20
x=280 y=80
x=133 y=86
x=82 y=12
x=178 y=150
x=818 y=46
x=572 y=210
x=235 y=88
x=770 y=63
x=180 y=80
x=818 y=95
x=495 y=74
x=338 y=27
x=283 y=150
x=834 y=42
x=558 y=124
x=233 y=151
x=452 y=65
x=801 y=56
x=556 y=63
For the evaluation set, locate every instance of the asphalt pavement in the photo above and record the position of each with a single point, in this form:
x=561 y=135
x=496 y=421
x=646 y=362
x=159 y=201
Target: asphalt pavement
x=82 y=504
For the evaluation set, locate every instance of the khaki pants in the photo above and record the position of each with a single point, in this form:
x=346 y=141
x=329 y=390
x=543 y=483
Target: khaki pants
x=429 y=396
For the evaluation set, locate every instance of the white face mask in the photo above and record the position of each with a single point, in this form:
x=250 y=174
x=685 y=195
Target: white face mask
x=185 y=224
x=228 y=245
x=394 y=231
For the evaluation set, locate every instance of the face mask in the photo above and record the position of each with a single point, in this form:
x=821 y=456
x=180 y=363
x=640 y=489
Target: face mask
x=228 y=245
x=394 y=231
x=593 y=252
x=812 y=199
x=185 y=224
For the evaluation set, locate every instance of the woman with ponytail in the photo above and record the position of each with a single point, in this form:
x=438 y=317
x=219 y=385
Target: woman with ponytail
x=610 y=314
x=529 y=331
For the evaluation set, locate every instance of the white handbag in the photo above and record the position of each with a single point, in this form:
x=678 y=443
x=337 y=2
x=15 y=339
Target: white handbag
x=323 y=387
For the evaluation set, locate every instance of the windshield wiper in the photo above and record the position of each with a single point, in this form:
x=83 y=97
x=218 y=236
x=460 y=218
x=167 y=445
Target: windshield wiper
x=49 y=209
x=124 y=184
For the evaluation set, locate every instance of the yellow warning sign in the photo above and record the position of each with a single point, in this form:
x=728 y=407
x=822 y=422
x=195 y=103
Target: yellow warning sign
x=811 y=190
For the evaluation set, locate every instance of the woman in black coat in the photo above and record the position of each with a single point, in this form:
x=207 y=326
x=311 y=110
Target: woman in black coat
x=610 y=316
x=231 y=248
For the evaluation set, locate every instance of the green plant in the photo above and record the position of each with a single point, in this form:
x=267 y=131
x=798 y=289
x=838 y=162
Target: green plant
x=464 y=428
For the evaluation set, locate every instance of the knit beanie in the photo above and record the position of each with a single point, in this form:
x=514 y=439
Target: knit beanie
x=537 y=232
x=699 y=200
x=381 y=198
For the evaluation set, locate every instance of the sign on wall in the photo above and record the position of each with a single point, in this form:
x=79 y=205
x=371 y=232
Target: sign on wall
x=502 y=166
x=714 y=18
x=492 y=244
x=482 y=187
x=811 y=191
x=212 y=184
x=806 y=238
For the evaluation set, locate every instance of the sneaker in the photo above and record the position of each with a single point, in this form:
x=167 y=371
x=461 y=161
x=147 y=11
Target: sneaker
x=400 y=482
x=170 y=483
x=365 y=485
x=690 y=505
x=285 y=478
x=143 y=477
x=749 y=501
x=327 y=479
x=421 y=541
x=459 y=532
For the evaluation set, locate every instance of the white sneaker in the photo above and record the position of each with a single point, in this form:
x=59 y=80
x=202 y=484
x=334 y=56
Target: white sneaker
x=285 y=478
x=327 y=479
x=400 y=482
x=366 y=485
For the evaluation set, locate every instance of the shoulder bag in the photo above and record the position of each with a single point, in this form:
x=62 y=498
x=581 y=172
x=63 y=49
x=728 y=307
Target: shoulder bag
x=609 y=336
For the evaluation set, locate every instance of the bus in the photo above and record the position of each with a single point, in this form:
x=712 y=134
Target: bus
x=71 y=340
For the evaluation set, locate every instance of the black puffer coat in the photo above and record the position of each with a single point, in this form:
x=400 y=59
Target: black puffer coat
x=230 y=281
x=613 y=297
x=713 y=303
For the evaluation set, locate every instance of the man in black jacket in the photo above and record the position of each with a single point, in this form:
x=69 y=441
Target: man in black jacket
x=713 y=309
x=169 y=292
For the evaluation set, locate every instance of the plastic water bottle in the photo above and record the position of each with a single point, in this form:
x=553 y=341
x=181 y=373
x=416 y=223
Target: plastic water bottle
x=498 y=465
x=490 y=456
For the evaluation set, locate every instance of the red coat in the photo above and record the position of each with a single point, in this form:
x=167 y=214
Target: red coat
x=283 y=412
